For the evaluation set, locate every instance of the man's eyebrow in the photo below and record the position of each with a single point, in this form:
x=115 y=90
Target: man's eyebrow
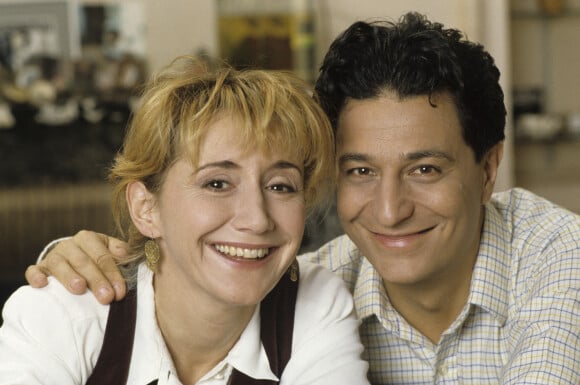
x=417 y=155
x=352 y=157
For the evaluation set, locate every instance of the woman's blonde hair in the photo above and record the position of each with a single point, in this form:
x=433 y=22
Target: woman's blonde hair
x=275 y=111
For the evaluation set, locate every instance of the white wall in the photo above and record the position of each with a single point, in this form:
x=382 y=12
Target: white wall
x=546 y=56
x=176 y=27
x=183 y=26
x=485 y=21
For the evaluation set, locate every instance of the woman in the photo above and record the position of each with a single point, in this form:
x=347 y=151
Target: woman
x=210 y=191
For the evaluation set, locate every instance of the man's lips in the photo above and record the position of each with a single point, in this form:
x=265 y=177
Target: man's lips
x=400 y=240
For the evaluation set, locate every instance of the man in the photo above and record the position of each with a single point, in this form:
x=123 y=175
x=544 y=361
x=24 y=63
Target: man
x=452 y=284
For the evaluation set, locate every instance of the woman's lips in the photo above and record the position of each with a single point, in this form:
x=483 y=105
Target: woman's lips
x=243 y=252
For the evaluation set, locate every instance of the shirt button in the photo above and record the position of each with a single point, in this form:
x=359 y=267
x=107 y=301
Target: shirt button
x=221 y=374
x=448 y=367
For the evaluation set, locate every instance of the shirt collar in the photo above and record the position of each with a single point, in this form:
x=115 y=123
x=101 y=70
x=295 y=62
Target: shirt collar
x=370 y=296
x=243 y=354
x=490 y=281
x=157 y=361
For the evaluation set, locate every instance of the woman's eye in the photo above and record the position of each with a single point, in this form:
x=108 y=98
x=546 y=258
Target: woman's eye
x=216 y=185
x=281 y=187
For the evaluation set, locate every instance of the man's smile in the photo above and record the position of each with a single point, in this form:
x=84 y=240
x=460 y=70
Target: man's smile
x=400 y=240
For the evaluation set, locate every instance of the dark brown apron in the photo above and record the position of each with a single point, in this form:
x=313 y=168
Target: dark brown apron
x=277 y=326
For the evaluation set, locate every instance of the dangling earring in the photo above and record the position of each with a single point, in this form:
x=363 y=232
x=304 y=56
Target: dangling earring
x=293 y=271
x=152 y=255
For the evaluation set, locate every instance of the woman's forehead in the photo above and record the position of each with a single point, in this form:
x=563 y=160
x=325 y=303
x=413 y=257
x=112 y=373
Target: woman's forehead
x=235 y=138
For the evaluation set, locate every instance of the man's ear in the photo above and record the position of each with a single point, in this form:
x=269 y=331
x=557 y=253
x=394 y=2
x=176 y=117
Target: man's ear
x=490 y=164
x=142 y=206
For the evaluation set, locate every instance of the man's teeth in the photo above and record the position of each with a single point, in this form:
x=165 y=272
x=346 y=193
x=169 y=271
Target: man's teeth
x=242 y=253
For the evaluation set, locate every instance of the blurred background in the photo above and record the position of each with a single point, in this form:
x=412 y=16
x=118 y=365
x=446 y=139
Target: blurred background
x=70 y=73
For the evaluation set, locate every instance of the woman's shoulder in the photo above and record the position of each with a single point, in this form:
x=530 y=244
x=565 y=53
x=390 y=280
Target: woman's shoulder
x=56 y=299
x=52 y=314
x=53 y=326
x=320 y=287
x=312 y=273
x=325 y=332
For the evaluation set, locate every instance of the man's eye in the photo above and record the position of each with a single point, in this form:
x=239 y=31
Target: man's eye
x=359 y=171
x=426 y=170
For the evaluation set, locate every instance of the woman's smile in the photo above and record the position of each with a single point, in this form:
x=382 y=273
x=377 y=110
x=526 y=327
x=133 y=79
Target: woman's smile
x=242 y=252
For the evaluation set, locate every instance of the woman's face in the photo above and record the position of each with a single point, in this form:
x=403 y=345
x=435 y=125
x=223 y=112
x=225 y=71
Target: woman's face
x=231 y=226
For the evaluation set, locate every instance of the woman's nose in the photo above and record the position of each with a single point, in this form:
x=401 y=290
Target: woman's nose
x=253 y=213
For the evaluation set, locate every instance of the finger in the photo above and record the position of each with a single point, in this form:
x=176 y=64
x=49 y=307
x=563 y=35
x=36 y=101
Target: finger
x=118 y=247
x=56 y=263
x=108 y=264
x=35 y=276
x=89 y=256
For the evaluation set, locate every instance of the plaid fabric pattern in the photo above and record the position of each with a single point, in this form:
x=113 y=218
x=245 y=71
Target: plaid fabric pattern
x=521 y=323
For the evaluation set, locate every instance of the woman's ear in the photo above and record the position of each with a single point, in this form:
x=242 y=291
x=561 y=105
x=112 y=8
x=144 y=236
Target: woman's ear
x=143 y=209
x=491 y=163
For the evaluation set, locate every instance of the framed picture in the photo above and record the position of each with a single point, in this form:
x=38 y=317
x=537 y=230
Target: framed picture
x=268 y=34
x=31 y=29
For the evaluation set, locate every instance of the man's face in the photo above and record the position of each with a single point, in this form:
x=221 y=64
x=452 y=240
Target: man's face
x=410 y=192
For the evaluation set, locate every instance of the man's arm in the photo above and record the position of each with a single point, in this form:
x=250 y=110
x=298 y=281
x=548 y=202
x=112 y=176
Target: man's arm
x=85 y=260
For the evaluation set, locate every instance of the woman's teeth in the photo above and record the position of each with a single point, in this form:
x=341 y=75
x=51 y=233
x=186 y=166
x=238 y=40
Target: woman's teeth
x=241 y=252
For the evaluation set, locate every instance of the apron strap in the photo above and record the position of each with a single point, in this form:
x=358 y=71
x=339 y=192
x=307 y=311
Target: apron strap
x=115 y=358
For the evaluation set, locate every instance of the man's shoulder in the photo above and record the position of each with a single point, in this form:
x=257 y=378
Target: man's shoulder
x=341 y=256
x=337 y=253
x=541 y=238
x=522 y=208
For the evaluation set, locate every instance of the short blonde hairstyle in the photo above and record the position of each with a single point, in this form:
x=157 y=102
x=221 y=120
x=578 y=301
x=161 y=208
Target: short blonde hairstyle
x=275 y=110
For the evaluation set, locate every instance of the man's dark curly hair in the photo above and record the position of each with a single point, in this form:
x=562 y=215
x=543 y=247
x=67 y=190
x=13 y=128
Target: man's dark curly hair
x=414 y=57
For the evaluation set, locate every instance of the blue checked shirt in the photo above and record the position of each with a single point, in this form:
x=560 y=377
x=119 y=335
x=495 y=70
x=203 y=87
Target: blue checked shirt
x=521 y=323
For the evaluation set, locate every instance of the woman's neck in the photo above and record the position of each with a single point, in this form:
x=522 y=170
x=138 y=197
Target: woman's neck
x=198 y=330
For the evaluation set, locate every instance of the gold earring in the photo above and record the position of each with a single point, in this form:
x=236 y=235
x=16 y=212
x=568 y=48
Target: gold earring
x=152 y=254
x=293 y=271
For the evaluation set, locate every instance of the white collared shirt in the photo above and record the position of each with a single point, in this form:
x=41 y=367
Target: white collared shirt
x=520 y=323
x=50 y=336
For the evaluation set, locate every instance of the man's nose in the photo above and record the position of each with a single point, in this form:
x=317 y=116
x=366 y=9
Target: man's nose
x=392 y=202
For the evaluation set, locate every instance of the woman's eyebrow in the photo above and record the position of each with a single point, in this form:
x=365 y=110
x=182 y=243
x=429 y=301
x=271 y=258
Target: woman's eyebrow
x=228 y=164
x=283 y=164
x=220 y=164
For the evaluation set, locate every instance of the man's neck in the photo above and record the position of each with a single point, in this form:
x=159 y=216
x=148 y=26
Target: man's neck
x=433 y=306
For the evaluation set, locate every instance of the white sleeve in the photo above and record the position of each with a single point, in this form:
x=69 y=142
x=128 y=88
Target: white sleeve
x=49 y=336
x=326 y=347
